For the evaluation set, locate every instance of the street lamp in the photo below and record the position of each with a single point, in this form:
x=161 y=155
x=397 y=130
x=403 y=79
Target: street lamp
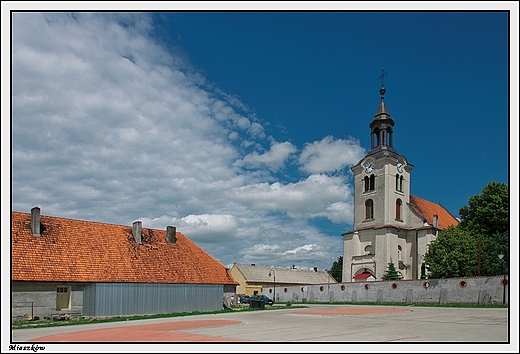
x=328 y=283
x=504 y=281
x=272 y=272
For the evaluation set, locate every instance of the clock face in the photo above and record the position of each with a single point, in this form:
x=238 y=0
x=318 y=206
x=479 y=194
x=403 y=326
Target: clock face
x=400 y=167
x=369 y=167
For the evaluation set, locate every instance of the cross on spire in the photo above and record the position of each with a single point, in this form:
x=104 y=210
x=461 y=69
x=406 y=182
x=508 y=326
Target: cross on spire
x=382 y=77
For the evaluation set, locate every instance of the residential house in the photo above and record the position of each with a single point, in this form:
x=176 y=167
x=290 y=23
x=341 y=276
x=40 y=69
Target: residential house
x=253 y=278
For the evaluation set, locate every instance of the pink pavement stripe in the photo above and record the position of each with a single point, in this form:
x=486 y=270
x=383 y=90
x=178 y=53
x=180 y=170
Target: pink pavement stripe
x=160 y=332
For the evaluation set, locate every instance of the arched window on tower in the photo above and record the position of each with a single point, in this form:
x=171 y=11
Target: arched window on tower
x=369 y=209
x=369 y=183
x=399 y=253
x=399 y=183
x=368 y=250
x=377 y=137
x=398 y=204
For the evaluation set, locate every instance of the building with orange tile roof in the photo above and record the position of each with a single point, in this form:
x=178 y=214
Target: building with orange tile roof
x=61 y=265
x=390 y=224
x=254 y=279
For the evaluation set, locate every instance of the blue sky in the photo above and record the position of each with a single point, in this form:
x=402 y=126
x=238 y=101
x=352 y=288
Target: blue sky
x=240 y=128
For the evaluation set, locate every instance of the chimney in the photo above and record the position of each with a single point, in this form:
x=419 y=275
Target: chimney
x=136 y=231
x=171 y=234
x=435 y=221
x=35 y=221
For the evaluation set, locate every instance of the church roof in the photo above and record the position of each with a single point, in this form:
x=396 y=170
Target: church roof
x=428 y=209
x=70 y=250
x=382 y=112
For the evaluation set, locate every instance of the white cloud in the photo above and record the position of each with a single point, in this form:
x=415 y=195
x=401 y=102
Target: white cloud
x=316 y=196
x=304 y=249
x=209 y=227
x=330 y=155
x=274 y=159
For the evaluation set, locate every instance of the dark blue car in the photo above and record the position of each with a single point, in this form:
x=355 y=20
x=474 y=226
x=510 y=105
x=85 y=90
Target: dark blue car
x=244 y=299
x=263 y=298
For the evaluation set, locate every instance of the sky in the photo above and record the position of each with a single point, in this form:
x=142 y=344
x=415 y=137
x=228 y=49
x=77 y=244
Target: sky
x=240 y=128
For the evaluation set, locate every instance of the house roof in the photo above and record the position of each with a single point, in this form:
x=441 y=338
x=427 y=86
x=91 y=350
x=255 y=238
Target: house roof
x=260 y=274
x=85 y=251
x=427 y=210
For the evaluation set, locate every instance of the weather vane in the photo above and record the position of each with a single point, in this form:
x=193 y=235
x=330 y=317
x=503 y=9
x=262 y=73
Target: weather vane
x=382 y=77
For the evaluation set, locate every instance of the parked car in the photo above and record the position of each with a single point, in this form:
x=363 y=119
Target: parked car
x=244 y=299
x=263 y=298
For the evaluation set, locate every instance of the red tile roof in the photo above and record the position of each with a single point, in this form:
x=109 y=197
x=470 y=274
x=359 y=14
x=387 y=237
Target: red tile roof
x=428 y=209
x=84 y=251
x=362 y=276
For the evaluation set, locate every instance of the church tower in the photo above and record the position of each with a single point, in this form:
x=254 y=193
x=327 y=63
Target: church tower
x=382 y=178
x=390 y=224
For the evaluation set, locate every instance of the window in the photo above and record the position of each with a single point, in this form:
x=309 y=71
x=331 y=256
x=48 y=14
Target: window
x=370 y=183
x=368 y=250
x=399 y=253
x=399 y=183
x=369 y=209
x=398 y=204
x=376 y=136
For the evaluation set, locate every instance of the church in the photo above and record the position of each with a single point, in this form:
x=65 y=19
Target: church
x=390 y=224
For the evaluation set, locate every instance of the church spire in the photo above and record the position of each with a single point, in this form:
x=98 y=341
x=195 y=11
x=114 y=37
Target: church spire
x=381 y=127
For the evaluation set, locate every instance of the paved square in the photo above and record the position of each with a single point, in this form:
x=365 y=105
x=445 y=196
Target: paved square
x=315 y=324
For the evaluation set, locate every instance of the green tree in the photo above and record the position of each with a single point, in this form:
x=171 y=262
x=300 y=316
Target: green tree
x=391 y=272
x=452 y=254
x=486 y=218
x=487 y=213
x=337 y=269
x=491 y=248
